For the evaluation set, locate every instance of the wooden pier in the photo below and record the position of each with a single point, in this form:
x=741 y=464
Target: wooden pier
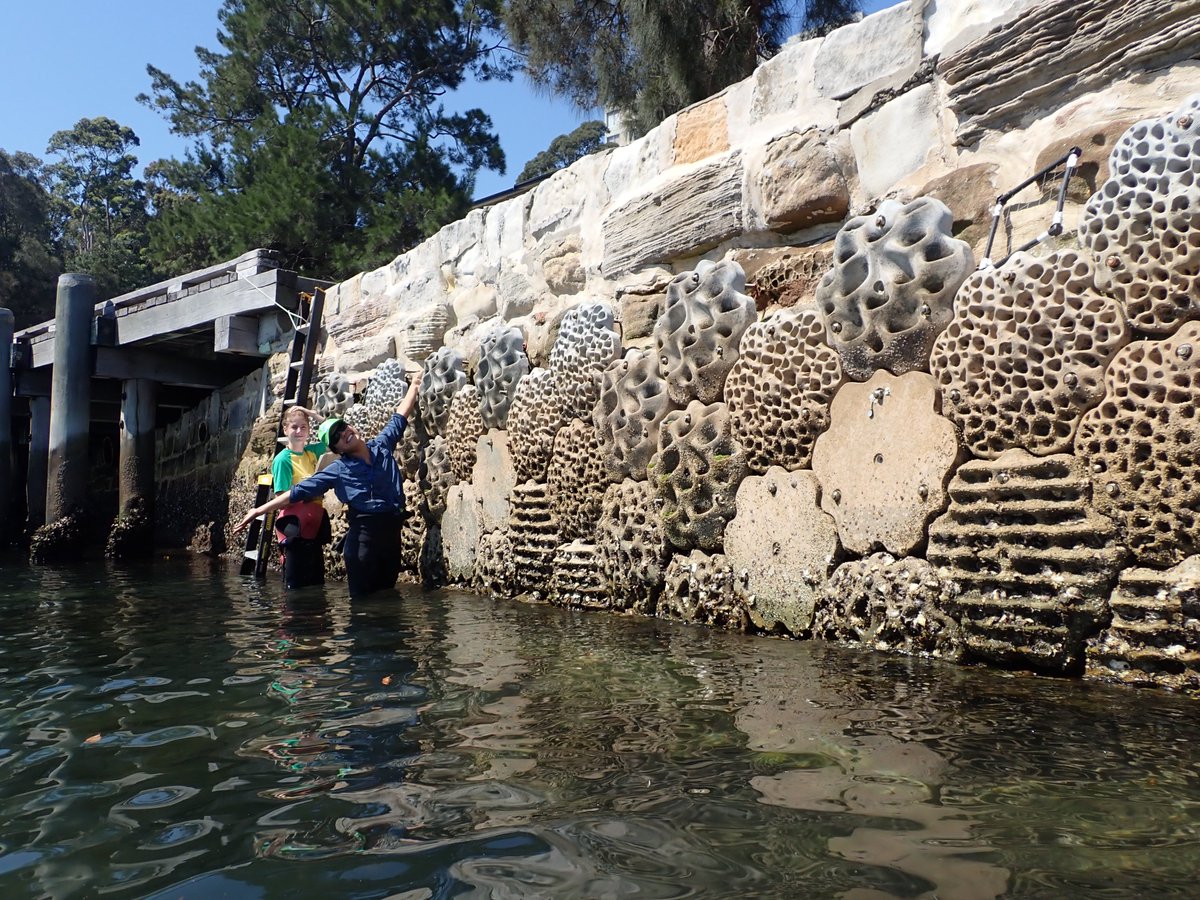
x=145 y=357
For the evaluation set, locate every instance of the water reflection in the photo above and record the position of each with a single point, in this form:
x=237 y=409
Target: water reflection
x=187 y=733
x=852 y=759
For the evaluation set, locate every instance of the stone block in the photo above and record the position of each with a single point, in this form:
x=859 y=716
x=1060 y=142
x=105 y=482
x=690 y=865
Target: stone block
x=970 y=194
x=562 y=266
x=881 y=159
x=639 y=312
x=701 y=131
x=782 y=548
x=803 y=182
x=683 y=217
x=880 y=45
x=952 y=24
x=783 y=86
x=1094 y=43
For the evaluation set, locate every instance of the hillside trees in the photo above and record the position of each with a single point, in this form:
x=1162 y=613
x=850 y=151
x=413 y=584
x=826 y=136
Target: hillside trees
x=99 y=210
x=565 y=149
x=29 y=264
x=650 y=58
x=319 y=131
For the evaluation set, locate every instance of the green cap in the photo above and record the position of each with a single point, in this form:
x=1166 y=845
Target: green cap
x=330 y=431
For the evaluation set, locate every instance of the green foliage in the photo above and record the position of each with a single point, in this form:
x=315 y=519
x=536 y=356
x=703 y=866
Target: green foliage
x=565 y=149
x=29 y=263
x=650 y=58
x=320 y=132
x=100 y=207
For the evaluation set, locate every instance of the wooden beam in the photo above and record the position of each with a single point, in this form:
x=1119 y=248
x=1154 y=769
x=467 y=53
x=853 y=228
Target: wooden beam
x=237 y=334
x=113 y=365
x=168 y=368
x=106 y=392
x=249 y=294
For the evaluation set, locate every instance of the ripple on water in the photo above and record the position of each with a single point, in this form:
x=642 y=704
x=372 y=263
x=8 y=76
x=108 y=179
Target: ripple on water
x=156 y=798
x=124 y=684
x=178 y=833
x=170 y=735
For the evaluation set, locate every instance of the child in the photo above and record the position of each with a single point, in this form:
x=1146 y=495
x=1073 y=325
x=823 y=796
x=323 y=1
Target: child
x=367 y=479
x=301 y=527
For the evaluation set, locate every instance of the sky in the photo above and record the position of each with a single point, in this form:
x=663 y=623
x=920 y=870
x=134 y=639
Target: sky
x=66 y=60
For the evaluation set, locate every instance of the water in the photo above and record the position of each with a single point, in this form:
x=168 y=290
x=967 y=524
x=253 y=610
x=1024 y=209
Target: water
x=178 y=731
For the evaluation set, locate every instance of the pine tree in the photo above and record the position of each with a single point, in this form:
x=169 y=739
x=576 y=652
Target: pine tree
x=650 y=58
x=319 y=130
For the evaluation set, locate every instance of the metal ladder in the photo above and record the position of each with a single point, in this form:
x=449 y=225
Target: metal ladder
x=307 y=328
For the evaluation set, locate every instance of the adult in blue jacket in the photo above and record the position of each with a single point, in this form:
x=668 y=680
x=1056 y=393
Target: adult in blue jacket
x=367 y=479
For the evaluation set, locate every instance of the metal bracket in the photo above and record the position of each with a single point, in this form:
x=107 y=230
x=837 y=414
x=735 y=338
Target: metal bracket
x=1070 y=162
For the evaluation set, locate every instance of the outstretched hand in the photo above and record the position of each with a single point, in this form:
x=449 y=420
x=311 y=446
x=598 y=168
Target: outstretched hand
x=250 y=516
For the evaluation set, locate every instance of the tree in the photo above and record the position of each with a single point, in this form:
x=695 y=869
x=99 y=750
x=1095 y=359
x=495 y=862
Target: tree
x=320 y=131
x=565 y=149
x=101 y=207
x=29 y=264
x=651 y=58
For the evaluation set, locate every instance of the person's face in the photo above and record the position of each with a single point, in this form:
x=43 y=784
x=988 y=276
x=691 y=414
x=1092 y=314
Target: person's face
x=347 y=440
x=297 y=428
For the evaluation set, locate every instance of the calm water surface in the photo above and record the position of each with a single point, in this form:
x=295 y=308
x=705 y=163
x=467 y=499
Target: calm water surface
x=178 y=731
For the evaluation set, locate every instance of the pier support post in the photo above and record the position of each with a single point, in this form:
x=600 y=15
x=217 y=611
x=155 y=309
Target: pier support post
x=138 y=400
x=39 y=458
x=132 y=535
x=6 y=442
x=70 y=395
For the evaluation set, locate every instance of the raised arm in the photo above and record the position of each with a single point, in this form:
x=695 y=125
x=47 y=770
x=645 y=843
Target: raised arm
x=405 y=407
x=311 y=413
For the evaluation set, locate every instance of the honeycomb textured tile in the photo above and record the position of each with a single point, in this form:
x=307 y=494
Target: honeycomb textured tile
x=585 y=346
x=696 y=474
x=699 y=589
x=464 y=428
x=780 y=388
x=1140 y=444
x=1144 y=221
x=444 y=375
x=892 y=605
x=632 y=404
x=502 y=365
x=633 y=548
x=697 y=336
x=576 y=479
x=533 y=420
x=1025 y=356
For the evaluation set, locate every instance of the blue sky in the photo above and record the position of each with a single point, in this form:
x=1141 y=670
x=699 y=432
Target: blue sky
x=70 y=59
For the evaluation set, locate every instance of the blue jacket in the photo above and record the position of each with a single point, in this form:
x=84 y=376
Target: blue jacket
x=374 y=487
